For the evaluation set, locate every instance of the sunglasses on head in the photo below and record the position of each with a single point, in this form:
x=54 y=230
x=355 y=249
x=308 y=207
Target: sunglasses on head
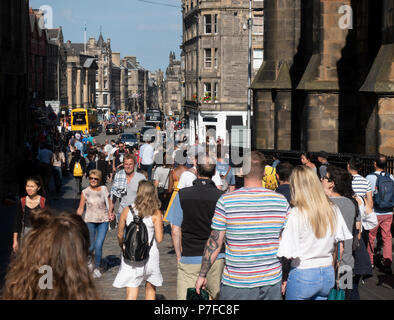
x=328 y=179
x=92 y=178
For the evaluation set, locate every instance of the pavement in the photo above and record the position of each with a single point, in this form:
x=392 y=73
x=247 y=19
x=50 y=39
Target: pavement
x=378 y=287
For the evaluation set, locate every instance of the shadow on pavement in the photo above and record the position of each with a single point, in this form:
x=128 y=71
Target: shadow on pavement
x=110 y=262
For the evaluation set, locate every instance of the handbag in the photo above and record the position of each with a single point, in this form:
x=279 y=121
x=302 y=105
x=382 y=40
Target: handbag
x=193 y=295
x=368 y=221
x=336 y=293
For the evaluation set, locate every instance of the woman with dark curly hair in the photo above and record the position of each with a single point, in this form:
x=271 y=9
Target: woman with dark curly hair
x=60 y=244
x=131 y=274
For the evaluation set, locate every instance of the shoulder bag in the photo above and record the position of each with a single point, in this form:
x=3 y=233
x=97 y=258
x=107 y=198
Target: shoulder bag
x=336 y=293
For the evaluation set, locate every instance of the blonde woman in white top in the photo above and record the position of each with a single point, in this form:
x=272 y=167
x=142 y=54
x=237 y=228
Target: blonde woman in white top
x=313 y=228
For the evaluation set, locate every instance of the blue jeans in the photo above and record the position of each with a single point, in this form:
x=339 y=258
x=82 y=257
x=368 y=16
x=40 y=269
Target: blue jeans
x=58 y=175
x=310 y=284
x=148 y=168
x=96 y=242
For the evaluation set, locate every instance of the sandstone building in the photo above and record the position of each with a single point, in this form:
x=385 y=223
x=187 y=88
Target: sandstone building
x=137 y=89
x=81 y=77
x=172 y=99
x=327 y=80
x=215 y=51
x=15 y=35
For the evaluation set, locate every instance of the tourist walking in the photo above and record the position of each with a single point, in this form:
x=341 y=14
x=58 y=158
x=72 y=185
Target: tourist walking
x=173 y=189
x=78 y=169
x=190 y=217
x=58 y=162
x=132 y=274
x=306 y=160
x=322 y=158
x=147 y=157
x=98 y=214
x=125 y=184
x=383 y=202
x=61 y=243
x=313 y=230
x=25 y=208
x=44 y=157
x=337 y=184
x=360 y=185
x=283 y=173
x=243 y=220
x=161 y=181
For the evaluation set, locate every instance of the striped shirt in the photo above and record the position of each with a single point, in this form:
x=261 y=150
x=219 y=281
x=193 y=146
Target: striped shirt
x=253 y=219
x=360 y=185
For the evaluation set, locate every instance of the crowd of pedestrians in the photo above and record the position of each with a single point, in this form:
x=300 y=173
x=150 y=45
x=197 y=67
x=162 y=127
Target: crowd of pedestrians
x=283 y=234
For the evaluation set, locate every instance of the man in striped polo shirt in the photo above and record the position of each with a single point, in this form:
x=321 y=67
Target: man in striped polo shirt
x=360 y=185
x=249 y=220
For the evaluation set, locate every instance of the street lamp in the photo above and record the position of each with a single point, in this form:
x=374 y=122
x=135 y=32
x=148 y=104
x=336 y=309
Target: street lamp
x=249 y=107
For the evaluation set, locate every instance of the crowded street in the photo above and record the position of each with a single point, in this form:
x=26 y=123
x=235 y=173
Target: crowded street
x=204 y=154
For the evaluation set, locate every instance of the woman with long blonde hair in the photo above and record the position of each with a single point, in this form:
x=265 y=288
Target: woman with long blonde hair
x=132 y=274
x=313 y=229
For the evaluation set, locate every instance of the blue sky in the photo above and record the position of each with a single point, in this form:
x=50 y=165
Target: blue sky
x=147 y=31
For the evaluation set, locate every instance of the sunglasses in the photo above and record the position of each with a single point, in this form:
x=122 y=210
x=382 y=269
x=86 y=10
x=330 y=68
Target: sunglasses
x=328 y=179
x=96 y=179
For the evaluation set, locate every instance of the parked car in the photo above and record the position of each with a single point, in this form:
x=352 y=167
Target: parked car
x=111 y=129
x=129 y=139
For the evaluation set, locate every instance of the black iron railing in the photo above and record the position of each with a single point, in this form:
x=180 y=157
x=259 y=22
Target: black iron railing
x=338 y=159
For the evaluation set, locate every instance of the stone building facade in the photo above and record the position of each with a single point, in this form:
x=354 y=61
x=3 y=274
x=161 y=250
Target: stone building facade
x=327 y=79
x=58 y=60
x=172 y=99
x=38 y=78
x=81 y=78
x=215 y=52
x=15 y=35
x=119 y=83
x=137 y=91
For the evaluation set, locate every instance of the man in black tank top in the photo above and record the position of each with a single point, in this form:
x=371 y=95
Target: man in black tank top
x=191 y=217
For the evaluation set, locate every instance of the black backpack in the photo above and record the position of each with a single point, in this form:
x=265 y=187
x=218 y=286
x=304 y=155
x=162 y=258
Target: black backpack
x=136 y=244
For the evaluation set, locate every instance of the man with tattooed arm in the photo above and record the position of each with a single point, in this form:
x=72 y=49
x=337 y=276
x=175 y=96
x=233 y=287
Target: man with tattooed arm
x=250 y=221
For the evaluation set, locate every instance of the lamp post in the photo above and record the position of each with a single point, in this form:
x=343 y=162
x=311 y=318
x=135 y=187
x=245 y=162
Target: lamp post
x=249 y=107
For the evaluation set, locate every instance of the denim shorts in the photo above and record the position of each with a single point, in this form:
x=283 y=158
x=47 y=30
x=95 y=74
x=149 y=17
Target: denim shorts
x=310 y=284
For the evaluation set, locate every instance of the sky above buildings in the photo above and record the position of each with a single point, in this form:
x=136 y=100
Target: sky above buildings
x=141 y=28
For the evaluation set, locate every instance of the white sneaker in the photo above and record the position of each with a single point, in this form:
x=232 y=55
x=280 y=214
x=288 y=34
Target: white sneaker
x=96 y=274
x=90 y=266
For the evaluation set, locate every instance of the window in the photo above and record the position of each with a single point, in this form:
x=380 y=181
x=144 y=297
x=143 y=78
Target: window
x=105 y=84
x=97 y=84
x=105 y=58
x=105 y=99
x=215 y=26
x=258 y=25
x=207 y=24
x=208 y=58
x=216 y=58
x=215 y=91
x=258 y=56
x=207 y=92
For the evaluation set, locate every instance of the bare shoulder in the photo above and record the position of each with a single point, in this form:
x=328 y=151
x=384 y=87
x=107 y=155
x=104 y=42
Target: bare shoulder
x=157 y=215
